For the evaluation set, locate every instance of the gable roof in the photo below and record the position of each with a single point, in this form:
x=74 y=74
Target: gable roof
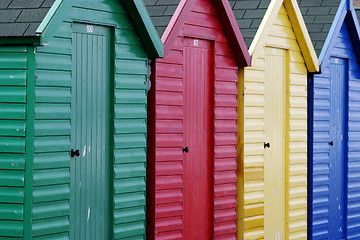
x=258 y=28
x=345 y=13
x=169 y=26
x=53 y=12
x=19 y=18
x=319 y=16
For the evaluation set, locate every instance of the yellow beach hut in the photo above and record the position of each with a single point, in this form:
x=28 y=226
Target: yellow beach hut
x=272 y=126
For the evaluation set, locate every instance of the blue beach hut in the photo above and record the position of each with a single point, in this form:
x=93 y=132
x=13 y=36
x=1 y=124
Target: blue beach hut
x=334 y=121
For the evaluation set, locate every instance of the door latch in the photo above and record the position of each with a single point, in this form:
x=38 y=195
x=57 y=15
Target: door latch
x=331 y=143
x=185 y=149
x=266 y=145
x=75 y=152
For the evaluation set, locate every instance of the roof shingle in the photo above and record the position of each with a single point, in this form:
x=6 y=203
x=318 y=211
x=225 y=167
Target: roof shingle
x=19 y=18
x=161 y=12
x=249 y=15
x=319 y=16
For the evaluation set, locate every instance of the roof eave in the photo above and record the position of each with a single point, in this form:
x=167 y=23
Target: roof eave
x=233 y=32
x=300 y=30
x=145 y=27
x=335 y=27
x=23 y=40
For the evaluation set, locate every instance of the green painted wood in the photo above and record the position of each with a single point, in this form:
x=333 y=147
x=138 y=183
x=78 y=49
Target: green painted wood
x=29 y=156
x=91 y=215
x=14 y=71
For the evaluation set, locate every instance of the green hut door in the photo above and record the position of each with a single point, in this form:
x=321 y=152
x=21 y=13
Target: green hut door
x=91 y=164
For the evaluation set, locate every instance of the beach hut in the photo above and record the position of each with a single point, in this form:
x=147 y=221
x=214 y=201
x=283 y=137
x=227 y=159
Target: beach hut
x=73 y=117
x=191 y=177
x=272 y=144
x=334 y=120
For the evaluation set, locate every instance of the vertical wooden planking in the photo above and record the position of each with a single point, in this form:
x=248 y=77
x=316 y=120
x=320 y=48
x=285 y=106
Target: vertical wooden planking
x=275 y=135
x=91 y=171
x=197 y=162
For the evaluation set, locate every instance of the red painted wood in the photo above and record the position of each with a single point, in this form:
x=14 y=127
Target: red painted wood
x=171 y=183
x=198 y=124
x=228 y=23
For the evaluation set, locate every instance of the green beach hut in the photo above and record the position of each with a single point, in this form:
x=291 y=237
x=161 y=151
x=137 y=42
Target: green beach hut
x=73 y=118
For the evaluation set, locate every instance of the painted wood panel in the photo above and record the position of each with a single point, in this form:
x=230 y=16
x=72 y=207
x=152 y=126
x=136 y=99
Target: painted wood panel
x=253 y=166
x=13 y=81
x=334 y=192
x=166 y=131
x=51 y=195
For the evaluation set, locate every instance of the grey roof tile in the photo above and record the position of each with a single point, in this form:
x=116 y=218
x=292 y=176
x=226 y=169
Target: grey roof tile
x=22 y=17
x=13 y=29
x=32 y=15
x=4 y=4
x=251 y=11
x=161 y=12
x=23 y=4
x=9 y=15
x=319 y=16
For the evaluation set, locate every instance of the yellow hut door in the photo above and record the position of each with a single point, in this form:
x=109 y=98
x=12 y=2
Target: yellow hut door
x=275 y=143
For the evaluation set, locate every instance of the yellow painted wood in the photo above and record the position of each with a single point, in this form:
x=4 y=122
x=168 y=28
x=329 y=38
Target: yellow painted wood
x=273 y=108
x=276 y=67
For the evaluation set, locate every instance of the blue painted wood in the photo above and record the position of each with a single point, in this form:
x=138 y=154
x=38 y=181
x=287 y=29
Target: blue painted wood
x=334 y=115
x=338 y=139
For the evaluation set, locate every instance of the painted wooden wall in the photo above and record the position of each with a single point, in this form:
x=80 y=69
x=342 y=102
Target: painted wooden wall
x=14 y=70
x=165 y=166
x=320 y=187
x=51 y=114
x=252 y=161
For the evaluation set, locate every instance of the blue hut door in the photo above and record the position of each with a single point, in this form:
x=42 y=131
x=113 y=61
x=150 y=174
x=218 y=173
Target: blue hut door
x=337 y=144
x=90 y=170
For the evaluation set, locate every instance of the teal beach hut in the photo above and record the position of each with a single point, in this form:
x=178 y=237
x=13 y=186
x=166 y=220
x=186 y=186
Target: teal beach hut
x=73 y=118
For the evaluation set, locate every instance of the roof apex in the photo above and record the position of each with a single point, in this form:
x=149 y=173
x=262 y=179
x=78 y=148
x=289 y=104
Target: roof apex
x=227 y=19
x=299 y=28
x=345 y=13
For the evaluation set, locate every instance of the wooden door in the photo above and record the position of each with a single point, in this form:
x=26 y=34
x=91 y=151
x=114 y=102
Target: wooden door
x=198 y=161
x=337 y=145
x=275 y=143
x=91 y=170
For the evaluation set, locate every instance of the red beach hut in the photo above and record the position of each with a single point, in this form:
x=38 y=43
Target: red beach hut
x=191 y=174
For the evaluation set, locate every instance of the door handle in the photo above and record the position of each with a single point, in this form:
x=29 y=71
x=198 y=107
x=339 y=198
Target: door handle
x=266 y=145
x=331 y=143
x=185 y=149
x=75 y=152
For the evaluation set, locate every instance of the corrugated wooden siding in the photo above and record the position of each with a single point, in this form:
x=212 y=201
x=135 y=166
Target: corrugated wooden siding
x=53 y=125
x=167 y=163
x=13 y=76
x=343 y=48
x=251 y=191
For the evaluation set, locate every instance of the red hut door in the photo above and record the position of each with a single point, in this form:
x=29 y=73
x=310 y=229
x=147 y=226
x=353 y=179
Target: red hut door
x=198 y=158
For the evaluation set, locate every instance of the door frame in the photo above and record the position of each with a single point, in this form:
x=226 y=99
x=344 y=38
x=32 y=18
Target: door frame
x=345 y=160
x=270 y=51
x=211 y=120
x=112 y=99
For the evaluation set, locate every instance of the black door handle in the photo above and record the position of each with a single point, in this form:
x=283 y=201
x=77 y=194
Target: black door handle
x=331 y=143
x=266 y=145
x=185 y=149
x=75 y=152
